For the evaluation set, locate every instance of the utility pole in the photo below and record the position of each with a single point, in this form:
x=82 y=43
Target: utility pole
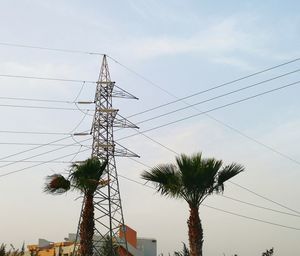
x=109 y=219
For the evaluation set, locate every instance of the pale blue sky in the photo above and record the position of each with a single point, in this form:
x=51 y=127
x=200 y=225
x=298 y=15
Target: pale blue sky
x=183 y=47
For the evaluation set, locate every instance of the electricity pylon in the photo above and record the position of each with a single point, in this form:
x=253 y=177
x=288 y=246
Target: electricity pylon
x=108 y=217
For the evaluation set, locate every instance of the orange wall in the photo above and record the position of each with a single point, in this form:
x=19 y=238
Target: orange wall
x=130 y=235
x=46 y=252
x=123 y=252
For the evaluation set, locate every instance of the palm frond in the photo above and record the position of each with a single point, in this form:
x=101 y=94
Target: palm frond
x=56 y=184
x=227 y=173
x=165 y=178
x=86 y=176
x=193 y=178
x=198 y=176
x=185 y=251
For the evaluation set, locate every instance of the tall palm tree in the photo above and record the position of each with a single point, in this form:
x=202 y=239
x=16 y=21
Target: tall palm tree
x=85 y=178
x=193 y=178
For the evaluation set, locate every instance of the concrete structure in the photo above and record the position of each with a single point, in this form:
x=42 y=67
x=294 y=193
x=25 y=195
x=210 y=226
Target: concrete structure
x=46 y=248
x=136 y=246
x=147 y=246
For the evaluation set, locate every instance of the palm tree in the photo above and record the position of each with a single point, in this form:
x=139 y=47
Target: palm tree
x=268 y=252
x=85 y=178
x=185 y=251
x=193 y=178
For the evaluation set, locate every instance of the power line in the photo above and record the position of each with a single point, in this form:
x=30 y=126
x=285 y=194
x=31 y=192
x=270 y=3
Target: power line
x=37 y=147
x=36 y=161
x=32 y=166
x=244 y=188
x=197 y=93
x=48 y=78
x=80 y=122
x=50 y=49
x=135 y=181
x=84 y=52
x=251 y=218
x=80 y=91
x=221 y=85
x=156 y=142
x=34 y=148
x=129 y=69
x=217 y=97
x=132 y=180
x=35 y=133
x=42 y=107
x=213 y=109
x=60 y=80
x=260 y=207
x=258 y=142
x=54 y=161
x=31 y=144
x=38 y=100
x=41 y=154
x=263 y=197
x=295 y=161
x=211 y=117
x=221 y=210
x=141 y=163
x=223 y=123
x=43 y=133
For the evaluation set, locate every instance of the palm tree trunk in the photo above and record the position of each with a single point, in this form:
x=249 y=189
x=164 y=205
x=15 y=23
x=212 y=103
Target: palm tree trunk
x=195 y=232
x=87 y=226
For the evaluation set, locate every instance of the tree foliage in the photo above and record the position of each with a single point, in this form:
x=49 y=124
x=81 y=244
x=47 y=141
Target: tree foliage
x=12 y=251
x=268 y=252
x=86 y=179
x=185 y=251
x=192 y=178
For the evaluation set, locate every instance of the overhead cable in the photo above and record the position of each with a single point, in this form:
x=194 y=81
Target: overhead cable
x=35 y=132
x=263 y=197
x=251 y=218
x=34 y=99
x=37 y=147
x=213 y=109
x=246 y=136
x=50 y=49
x=246 y=189
x=32 y=166
x=221 y=210
x=47 y=78
x=209 y=89
x=42 y=107
x=41 y=154
x=260 y=207
x=217 y=97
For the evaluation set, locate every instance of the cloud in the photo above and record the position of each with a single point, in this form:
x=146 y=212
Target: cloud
x=234 y=61
x=235 y=40
x=217 y=39
x=227 y=41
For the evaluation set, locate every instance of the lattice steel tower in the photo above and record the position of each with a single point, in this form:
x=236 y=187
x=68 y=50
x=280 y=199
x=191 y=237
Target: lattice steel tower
x=107 y=201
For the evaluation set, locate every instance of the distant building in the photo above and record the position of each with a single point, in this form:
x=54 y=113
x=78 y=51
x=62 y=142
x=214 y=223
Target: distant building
x=136 y=246
x=147 y=246
x=47 y=248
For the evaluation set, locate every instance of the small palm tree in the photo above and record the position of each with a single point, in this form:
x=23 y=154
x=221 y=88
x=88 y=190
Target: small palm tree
x=85 y=178
x=268 y=252
x=13 y=251
x=185 y=251
x=2 y=250
x=193 y=178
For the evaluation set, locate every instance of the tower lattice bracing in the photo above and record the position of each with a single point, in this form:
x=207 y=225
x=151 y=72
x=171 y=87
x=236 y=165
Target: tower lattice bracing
x=107 y=200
